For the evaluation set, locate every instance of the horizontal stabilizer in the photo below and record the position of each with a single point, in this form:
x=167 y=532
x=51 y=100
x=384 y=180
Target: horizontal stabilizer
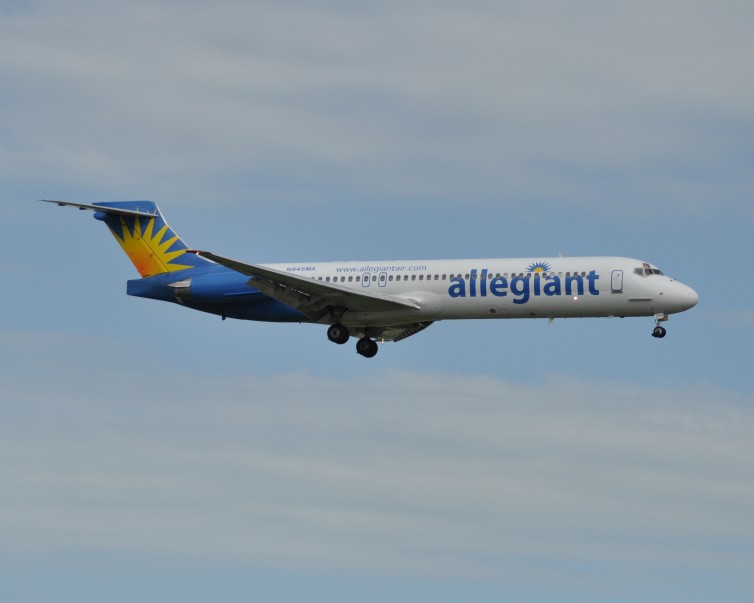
x=116 y=211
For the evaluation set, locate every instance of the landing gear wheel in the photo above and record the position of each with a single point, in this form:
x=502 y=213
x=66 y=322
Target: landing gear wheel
x=366 y=347
x=338 y=334
x=659 y=332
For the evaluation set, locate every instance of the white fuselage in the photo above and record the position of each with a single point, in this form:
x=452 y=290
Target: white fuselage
x=559 y=287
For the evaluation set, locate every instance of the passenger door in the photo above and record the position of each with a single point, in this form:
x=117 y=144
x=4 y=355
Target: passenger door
x=616 y=281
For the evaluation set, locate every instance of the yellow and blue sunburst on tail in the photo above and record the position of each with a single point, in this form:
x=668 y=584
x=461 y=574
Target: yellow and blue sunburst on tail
x=539 y=267
x=148 y=241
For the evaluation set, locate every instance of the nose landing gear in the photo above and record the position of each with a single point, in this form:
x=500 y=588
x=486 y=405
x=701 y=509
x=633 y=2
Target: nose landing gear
x=659 y=332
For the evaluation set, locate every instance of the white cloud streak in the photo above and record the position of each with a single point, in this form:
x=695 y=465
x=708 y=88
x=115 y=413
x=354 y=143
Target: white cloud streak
x=484 y=101
x=463 y=476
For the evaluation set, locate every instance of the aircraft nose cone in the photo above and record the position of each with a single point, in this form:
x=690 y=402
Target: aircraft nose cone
x=679 y=297
x=686 y=297
x=692 y=297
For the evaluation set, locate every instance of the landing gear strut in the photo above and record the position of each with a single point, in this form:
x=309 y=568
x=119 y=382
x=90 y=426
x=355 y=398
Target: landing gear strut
x=366 y=347
x=337 y=333
x=659 y=331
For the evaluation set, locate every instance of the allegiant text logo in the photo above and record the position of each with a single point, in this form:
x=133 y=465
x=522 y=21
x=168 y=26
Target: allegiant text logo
x=522 y=287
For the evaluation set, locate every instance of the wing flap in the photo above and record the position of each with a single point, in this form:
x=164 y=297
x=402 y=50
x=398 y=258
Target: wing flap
x=409 y=330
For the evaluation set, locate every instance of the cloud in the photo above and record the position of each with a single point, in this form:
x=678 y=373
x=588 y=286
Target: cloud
x=399 y=473
x=428 y=101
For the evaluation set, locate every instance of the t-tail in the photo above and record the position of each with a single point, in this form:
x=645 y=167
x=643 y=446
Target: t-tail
x=138 y=226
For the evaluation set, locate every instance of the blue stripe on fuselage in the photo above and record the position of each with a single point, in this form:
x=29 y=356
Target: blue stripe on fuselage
x=217 y=290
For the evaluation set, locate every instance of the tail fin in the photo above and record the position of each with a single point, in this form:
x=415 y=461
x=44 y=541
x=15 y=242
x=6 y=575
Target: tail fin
x=152 y=246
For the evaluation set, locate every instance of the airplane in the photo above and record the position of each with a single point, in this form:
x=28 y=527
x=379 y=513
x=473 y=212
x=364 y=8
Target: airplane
x=383 y=300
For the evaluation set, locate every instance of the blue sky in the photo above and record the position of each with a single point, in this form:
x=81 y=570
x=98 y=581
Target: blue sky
x=153 y=453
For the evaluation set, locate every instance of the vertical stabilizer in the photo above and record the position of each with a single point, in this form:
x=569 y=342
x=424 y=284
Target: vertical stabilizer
x=138 y=226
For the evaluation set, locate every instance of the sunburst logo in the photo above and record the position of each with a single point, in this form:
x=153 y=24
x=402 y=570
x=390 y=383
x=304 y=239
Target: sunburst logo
x=539 y=267
x=149 y=251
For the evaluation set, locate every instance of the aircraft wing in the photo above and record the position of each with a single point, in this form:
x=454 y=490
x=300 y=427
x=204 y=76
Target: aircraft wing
x=312 y=298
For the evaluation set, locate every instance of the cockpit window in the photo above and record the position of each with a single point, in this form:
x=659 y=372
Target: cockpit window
x=647 y=270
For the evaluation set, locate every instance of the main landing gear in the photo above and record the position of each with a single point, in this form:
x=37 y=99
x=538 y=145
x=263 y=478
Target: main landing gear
x=340 y=334
x=366 y=347
x=659 y=332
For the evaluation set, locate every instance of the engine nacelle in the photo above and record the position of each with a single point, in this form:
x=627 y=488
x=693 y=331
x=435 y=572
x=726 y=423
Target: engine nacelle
x=213 y=287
